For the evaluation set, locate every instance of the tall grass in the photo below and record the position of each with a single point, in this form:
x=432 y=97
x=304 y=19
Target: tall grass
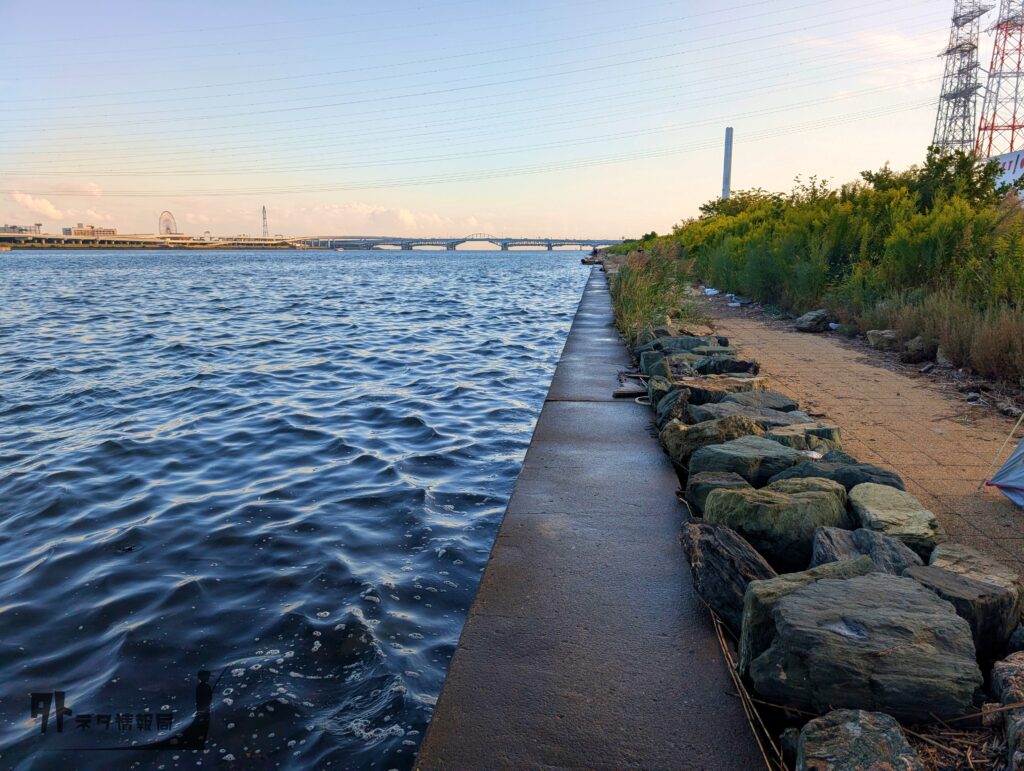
x=650 y=290
x=989 y=342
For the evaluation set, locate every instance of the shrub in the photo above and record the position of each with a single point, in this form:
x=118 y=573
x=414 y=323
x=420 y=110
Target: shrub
x=936 y=250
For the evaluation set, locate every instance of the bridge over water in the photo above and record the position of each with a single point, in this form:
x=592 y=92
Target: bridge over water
x=180 y=241
x=502 y=242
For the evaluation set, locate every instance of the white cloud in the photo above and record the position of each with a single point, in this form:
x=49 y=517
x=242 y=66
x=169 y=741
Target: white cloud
x=89 y=215
x=38 y=206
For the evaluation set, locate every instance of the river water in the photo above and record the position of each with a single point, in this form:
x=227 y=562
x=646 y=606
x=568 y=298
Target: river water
x=285 y=469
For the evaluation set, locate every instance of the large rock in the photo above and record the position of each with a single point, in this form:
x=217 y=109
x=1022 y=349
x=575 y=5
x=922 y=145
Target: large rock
x=883 y=339
x=810 y=437
x=898 y=514
x=991 y=610
x=715 y=351
x=651 y=360
x=780 y=524
x=752 y=457
x=657 y=388
x=808 y=485
x=715 y=387
x=672 y=406
x=838 y=467
x=813 y=321
x=852 y=739
x=762 y=596
x=981 y=567
x=721 y=365
x=673 y=366
x=890 y=555
x=681 y=441
x=651 y=334
x=764 y=417
x=771 y=400
x=676 y=343
x=699 y=486
x=875 y=642
x=1008 y=683
x=722 y=564
x=918 y=350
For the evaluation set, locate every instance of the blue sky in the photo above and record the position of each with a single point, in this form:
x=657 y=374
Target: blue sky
x=595 y=118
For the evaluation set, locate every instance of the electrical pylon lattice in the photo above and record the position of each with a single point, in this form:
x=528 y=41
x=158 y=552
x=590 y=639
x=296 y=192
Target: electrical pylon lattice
x=955 y=123
x=1001 y=129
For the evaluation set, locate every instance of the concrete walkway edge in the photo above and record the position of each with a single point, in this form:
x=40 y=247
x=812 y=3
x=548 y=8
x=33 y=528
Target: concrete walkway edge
x=586 y=645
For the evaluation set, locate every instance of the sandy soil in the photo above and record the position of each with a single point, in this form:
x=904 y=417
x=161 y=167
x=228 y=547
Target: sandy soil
x=892 y=417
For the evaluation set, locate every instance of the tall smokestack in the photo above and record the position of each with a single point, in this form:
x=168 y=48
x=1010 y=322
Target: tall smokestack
x=727 y=173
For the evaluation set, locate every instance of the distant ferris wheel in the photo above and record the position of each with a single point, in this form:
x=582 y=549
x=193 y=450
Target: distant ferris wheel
x=167 y=226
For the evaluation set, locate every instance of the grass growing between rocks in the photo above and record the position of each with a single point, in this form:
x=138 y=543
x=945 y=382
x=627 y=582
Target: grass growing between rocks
x=935 y=251
x=650 y=290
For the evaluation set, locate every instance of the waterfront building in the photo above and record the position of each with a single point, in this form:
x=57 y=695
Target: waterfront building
x=35 y=229
x=88 y=230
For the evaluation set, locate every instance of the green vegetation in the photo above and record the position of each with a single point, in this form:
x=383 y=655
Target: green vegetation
x=936 y=251
x=650 y=289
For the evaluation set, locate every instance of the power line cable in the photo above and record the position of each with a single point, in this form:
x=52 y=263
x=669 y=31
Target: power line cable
x=453 y=89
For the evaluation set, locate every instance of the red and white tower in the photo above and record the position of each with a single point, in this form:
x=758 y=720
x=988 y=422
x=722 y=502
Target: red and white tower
x=1002 y=115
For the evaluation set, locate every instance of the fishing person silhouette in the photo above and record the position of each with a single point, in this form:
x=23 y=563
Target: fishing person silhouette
x=192 y=737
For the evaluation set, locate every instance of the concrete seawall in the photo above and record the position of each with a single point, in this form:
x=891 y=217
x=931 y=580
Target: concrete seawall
x=586 y=645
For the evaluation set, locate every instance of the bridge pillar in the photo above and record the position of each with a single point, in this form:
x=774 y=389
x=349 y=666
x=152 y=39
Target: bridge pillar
x=406 y=247
x=450 y=247
x=504 y=246
x=550 y=246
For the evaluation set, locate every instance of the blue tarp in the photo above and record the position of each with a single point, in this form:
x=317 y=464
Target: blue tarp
x=1010 y=478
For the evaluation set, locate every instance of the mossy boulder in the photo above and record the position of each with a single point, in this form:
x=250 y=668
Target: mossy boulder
x=657 y=388
x=975 y=564
x=847 y=739
x=754 y=458
x=766 y=418
x=699 y=486
x=781 y=524
x=890 y=555
x=991 y=610
x=813 y=321
x=809 y=436
x=899 y=514
x=671 y=406
x=762 y=596
x=770 y=400
x=681 y=440
x=722 y=564
x=875 y=642
x=843 y=469
x=715 y=388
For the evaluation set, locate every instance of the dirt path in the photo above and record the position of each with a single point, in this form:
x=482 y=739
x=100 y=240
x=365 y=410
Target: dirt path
x=941 y=447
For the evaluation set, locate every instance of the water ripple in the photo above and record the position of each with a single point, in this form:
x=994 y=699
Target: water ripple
x=285 y=468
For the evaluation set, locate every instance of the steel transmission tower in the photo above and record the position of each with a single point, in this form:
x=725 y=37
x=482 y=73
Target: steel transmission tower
x=266 y=230
x=1002 y=119
x=955 y=123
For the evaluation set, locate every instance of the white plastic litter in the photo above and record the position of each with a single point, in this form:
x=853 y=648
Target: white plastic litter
x=711 y=292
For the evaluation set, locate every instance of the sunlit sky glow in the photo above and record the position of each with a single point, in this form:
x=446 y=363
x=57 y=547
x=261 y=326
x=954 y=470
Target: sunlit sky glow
x=590 y=118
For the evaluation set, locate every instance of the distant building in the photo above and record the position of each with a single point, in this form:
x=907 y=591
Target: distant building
x=30 y=229
x=88 y=230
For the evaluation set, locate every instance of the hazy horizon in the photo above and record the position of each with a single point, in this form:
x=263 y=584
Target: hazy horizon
x=565 y=119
